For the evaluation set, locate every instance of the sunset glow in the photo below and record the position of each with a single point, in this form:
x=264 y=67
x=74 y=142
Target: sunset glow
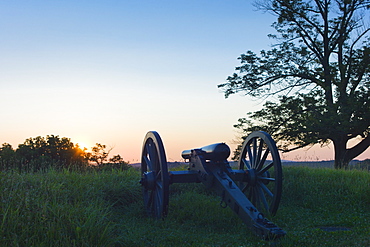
x=83 y=146
x=110 y=71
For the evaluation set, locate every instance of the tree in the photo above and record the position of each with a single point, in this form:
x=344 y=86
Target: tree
x=117 y=162
x=99 y=154
x=116 y=159
x=40 y=153
x=317 y=74
x=51 y=150
x=7 y=153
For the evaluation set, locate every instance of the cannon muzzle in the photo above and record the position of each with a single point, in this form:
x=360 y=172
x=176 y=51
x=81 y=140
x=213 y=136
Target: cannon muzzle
x=217 y=151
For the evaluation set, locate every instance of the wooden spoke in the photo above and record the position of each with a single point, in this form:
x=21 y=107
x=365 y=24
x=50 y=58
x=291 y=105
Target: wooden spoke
x=260 y=159
x=263 y=160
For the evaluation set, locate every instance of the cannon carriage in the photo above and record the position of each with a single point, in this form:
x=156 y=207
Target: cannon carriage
x=252 y=191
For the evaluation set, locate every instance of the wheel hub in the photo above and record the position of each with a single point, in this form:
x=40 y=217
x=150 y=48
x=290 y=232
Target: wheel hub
x=148 y=180
x=252 y=177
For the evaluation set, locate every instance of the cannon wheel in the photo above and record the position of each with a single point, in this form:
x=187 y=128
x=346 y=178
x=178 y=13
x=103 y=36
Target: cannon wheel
x=260 y=159
x=155 y=178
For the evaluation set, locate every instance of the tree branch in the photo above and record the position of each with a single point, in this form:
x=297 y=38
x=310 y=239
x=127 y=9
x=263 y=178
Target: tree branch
x=359 y=148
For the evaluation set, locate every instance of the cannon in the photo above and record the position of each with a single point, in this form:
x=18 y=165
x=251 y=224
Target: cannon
x=253 y=191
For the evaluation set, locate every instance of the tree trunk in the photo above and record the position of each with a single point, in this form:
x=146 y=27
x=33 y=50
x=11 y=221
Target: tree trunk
x=343 y=155
x=340 y=153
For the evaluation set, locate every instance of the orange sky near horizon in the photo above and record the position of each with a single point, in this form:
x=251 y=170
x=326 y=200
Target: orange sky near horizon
x=110 y=71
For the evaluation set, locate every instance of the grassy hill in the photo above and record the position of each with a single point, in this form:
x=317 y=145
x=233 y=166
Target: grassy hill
x=320 y=207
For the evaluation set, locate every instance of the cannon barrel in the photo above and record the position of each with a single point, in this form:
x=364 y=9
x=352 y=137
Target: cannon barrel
x=252 y=190
x=217 y=151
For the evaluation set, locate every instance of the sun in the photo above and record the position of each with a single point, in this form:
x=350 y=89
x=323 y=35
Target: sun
x=83 y=146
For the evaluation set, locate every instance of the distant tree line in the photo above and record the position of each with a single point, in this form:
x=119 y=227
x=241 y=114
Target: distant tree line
x=41 y=153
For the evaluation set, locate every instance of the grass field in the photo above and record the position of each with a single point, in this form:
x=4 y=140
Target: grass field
x=320 y=207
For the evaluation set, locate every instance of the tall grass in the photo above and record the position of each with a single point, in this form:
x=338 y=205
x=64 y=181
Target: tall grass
x=65 y=208
x=62 y=208
x=319 y=199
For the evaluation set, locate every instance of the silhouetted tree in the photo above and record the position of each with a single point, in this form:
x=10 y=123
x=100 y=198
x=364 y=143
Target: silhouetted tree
x=117 y=162
x=51 y=150
x=7 y=151
x=40 y=153
x=98 y=154
x=116 y=159
x=320 y=71
x=7 y=156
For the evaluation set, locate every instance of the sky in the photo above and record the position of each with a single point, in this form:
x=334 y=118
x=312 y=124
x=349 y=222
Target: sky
x=110 y=71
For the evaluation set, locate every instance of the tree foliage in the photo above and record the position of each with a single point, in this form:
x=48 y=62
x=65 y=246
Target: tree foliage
x=318 y=72
x=51 y=148
x=40 y=153
x=99 y=154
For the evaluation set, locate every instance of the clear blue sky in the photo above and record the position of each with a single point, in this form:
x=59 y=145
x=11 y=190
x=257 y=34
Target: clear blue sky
x=109 y=71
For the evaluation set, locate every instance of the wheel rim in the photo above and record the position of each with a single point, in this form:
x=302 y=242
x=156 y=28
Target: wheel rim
x=261 y=161
x=154 y=176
